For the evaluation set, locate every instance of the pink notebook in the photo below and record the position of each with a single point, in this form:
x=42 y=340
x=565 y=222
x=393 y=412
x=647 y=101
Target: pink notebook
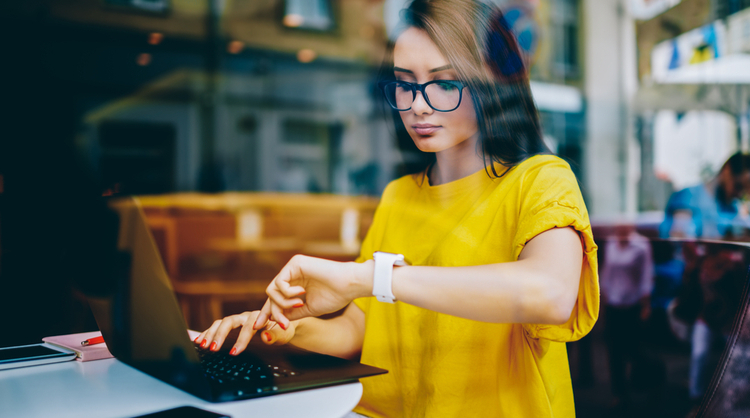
x=73 y=342
x=91 y=352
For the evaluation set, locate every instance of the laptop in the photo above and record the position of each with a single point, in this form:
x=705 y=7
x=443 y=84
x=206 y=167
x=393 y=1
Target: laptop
x=141 y=322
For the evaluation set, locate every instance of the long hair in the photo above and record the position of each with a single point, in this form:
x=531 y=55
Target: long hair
x=477 y=41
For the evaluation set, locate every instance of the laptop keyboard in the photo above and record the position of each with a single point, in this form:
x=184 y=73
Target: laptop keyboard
x=224 y=368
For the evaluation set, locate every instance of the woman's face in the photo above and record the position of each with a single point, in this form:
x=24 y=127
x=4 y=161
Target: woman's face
x=418 y=60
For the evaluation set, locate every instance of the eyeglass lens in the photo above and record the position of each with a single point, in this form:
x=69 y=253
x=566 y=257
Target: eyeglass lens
x=440 y=96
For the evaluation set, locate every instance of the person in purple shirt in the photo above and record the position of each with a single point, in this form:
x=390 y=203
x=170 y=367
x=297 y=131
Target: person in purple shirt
x=627 y=279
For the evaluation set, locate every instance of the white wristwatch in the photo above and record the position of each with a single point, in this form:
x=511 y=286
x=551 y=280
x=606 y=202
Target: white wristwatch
x=382 y=280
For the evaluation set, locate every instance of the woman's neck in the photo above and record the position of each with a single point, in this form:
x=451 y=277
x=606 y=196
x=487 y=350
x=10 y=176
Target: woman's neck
x=456 y=163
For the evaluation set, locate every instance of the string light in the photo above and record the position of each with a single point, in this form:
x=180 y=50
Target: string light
x=306 y=55
x=143 y=59
x=235 y=47
x=155 y=38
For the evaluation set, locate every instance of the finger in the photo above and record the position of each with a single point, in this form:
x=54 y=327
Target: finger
x=246 y=334
x=278 y=316
x=280 y=292
x=290 y=291
x=227 y=325
x=280 y=286
x=283 y=281
x=277 y=336
x=209 y=334
x=270 y=337
x=300 y=311
x=263 y=315
x=283 y=302
x=200 y=337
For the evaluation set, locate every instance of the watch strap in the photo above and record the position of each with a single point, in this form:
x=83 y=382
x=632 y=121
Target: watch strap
x=382 y=281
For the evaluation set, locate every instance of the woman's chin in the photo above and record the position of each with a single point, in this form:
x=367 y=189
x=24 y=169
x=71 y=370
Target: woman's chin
x=427 y=143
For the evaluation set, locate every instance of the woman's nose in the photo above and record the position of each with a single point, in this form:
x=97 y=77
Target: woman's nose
x=420 y=106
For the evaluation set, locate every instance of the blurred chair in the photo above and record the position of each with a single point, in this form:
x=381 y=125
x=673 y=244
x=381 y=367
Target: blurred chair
x=202 y=277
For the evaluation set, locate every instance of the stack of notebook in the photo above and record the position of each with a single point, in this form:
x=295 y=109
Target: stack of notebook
x=83 y=352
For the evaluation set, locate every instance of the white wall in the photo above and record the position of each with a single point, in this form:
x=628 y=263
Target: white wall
x=692 y=149
x=612 y=154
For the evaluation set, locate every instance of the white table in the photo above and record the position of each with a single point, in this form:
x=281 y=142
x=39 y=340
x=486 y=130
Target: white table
x=110 y=388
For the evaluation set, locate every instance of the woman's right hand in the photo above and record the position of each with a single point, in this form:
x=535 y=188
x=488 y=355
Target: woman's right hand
x=214 y=337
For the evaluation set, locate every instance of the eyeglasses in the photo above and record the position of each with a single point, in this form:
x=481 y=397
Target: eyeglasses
x=441 y=95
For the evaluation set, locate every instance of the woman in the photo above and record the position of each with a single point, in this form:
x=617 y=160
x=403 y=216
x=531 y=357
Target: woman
x=503 y=262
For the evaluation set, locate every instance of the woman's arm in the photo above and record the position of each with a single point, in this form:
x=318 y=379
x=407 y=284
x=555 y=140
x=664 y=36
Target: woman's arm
x=341 y=336
x=541 y=287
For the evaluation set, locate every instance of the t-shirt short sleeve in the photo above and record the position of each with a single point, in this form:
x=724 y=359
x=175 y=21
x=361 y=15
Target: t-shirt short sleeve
x=552 y=199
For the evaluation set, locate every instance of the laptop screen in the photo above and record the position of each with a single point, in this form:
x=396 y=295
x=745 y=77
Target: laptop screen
x=141 y=320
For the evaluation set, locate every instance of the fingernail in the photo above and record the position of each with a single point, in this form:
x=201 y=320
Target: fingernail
x=197 y=339
x=255 y=324
x=234 y=351
x=281 y=324
x=302 y=292
x=214 y=346
x=204 y=344
x=267 y=335
x=299 y=305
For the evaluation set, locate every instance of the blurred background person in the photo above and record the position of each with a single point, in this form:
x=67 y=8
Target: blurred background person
x=709 y=299
x=627 y=278
x=711 y=210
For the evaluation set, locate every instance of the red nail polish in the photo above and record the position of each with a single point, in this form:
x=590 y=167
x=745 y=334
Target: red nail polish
x=282 y=326
x=204 y=344
x=299 y=305
x=214 y=346
x=197 y=339
x=302 y=292
x=234 y=351
x=267 y=335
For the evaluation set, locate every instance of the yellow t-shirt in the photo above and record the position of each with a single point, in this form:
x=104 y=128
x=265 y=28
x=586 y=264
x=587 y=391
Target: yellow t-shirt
x=444 y=366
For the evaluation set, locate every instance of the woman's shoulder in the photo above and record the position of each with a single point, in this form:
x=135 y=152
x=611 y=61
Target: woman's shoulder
x=541 y=168
x=543 y=162
x=402 y=185
x=547 y=178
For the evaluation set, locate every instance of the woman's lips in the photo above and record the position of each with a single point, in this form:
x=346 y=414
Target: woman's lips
x=425 y=129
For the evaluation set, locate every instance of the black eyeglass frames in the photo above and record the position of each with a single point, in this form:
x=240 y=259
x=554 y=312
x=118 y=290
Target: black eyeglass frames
x=441 y=95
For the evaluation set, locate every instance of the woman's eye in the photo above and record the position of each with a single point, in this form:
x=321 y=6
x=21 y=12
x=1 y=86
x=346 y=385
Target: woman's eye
x=446 y=86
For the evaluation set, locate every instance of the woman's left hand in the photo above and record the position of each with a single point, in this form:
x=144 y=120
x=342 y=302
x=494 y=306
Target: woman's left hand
x=309 y=286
